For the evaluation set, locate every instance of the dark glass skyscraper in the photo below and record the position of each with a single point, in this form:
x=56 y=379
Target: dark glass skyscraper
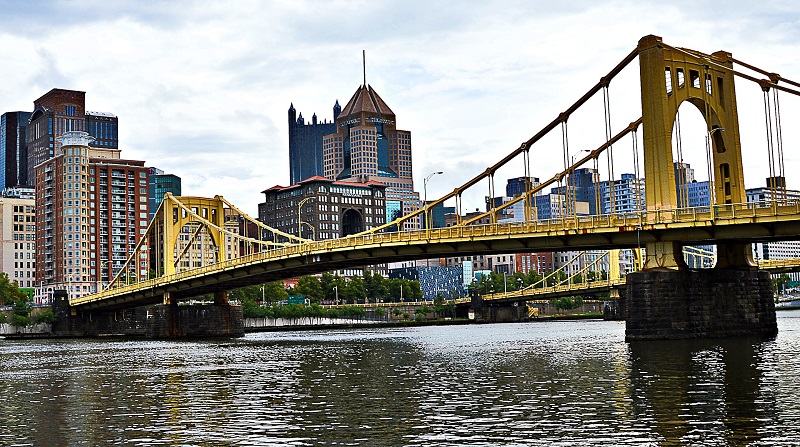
x=13 y=149
x=305 y=144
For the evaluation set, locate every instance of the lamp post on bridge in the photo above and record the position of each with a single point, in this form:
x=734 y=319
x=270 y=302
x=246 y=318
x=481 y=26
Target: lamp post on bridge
x=425 y=195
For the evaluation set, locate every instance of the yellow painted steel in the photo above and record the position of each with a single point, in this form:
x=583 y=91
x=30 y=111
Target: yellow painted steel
x=755 y=215
x=670 y=77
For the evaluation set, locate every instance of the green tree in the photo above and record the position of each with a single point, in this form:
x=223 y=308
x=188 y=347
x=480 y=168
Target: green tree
x=413 y=289
x=422 y=311
x=375 y=285
x=355 y=291
x=274 y=292
x=310 y=287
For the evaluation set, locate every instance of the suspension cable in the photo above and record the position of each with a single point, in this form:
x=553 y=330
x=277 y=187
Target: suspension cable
x=567 y=166
x=779 y=142
x=636 y=170
x=770 y=146
x=610 y=151
x=681 y=171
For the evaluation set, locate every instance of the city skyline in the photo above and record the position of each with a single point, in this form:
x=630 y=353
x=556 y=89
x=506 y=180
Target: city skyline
x=196 y=81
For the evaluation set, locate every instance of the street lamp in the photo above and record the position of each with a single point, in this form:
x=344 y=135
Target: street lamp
x=313 y=232
x=425 y=194
x=299 y=220
x=336 y=290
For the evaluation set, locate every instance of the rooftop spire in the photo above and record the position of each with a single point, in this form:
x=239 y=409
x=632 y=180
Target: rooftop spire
x=364 y=65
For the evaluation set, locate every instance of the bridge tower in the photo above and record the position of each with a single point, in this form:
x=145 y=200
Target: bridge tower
x=666 y=300
x=670 y=77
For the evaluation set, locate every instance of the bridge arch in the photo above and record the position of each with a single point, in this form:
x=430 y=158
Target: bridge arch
x=669 y=77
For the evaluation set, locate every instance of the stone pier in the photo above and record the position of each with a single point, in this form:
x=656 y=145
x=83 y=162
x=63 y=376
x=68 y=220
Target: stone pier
x=162 y=321
x=709 y=303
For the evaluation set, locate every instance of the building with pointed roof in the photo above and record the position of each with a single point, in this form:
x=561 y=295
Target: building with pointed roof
x=305 y=143
x=367 y=146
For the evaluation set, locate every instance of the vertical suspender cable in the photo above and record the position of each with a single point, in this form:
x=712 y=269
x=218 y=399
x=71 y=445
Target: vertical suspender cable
x=610 y=150
x=637 y=174
x=779 y=143
x=567 y=163
x=770 y=146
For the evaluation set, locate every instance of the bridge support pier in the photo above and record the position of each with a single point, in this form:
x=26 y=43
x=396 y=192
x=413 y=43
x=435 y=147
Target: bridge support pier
x=196 y=320
x=707 y=303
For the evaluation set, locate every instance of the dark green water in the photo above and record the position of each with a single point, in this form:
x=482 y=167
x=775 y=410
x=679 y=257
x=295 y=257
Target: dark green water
x=549 y=383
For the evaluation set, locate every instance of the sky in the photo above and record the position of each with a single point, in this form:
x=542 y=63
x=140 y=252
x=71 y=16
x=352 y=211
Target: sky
x=202 y=88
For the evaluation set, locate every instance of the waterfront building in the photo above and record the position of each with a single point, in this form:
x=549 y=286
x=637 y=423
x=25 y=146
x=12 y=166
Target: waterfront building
x=59 y=111
x=434 y=280
x=540 y=262
x=319 y=208
x=14 y=149
x=367 y=146
x=305 y=144
x=18 y=249
x=159 y=184
x=91 y=211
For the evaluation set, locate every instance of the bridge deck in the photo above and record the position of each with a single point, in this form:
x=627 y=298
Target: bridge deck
x=749 y=222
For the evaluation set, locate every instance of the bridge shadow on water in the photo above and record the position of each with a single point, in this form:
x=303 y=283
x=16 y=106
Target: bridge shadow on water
x=703 y=392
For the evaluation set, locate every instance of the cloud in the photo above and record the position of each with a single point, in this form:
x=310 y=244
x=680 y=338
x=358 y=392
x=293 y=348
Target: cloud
x=202 y=88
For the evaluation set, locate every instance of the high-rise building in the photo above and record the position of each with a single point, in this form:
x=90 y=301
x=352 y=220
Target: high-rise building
x=59 y=111
x=14 y=149
x=91 y=210
x=305 y=144
x=367 y=146
x=159 y=185
x=17 y=220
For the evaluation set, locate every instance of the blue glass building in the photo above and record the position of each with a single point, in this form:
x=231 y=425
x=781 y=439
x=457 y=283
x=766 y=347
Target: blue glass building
x=14 y=149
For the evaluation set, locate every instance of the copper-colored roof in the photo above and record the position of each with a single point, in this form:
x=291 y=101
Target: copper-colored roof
x=366 y=99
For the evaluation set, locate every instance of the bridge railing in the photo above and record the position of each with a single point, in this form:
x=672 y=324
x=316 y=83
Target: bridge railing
x=640 y=220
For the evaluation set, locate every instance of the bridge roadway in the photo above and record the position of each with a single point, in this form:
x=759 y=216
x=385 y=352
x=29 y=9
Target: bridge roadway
x=750 y=222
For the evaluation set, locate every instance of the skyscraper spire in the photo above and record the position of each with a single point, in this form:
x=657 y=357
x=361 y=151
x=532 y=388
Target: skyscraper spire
x=364 y=65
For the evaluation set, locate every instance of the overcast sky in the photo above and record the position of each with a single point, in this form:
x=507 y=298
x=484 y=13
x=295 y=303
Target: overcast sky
x=202 y=88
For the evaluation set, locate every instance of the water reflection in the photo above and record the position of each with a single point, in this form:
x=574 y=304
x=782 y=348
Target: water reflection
x=543 y=384
x=702 y=392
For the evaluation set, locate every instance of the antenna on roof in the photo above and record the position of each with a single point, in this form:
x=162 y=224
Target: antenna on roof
x=364 y=65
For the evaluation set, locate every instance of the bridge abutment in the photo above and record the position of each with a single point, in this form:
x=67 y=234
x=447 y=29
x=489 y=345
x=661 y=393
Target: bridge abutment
x=709 y=303
x=161 y=321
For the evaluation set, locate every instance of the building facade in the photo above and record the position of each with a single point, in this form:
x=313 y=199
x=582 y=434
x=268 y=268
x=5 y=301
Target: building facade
x=367 y=146
x=318 y=208
x=327 y=209
x=305 y=144
x=159 y=185
x=91 y=210
x=59 y=111
x=18 y=256
x=14 y=149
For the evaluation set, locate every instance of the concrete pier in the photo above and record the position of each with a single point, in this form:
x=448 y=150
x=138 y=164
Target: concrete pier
x=161 y=321
x=712 y=303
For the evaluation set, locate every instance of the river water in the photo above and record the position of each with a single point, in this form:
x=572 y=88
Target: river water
x=543 y=383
